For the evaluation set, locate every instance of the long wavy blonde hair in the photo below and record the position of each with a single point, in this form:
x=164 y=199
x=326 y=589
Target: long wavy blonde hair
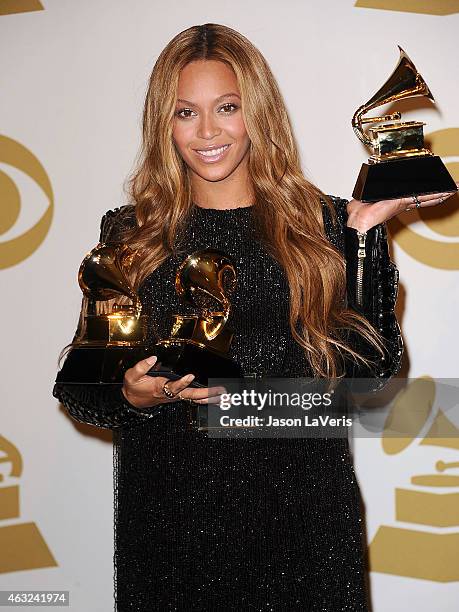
x=287 y=208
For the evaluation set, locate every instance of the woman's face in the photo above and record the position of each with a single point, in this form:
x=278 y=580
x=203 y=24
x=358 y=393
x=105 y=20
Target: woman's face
x=209 y=131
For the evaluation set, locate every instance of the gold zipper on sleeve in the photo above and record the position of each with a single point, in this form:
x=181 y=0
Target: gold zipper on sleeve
x=361 y=256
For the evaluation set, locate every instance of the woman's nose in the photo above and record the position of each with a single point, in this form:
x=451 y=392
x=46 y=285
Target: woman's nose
x=208 y=127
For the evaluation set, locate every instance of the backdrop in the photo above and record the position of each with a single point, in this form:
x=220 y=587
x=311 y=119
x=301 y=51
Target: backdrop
x=74 y=77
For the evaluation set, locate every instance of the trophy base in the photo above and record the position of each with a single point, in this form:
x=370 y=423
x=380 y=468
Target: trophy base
x=179 y=358
x=96 y=365
x=402 y=178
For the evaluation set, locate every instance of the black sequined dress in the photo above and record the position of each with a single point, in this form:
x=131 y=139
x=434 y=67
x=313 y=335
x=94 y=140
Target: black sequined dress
x=241 y=523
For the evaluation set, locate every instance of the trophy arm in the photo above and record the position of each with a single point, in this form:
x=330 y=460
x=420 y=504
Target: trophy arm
x=219 y=319
x=137 y=306
x=373 y=294
x=357 y=126
x=358 y=120
x=379 y=283
x=215 y=321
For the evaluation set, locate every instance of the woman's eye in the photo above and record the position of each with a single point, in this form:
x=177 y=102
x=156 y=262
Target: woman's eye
x=229 y=107
x=187 y=113
x=184 y=113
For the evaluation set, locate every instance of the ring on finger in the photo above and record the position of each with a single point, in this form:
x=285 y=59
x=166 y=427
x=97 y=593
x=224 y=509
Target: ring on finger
x=167 y=392
x=416 y=201
x=185 y=399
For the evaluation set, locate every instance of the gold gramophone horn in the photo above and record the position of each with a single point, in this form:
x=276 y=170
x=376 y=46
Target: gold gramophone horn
x=102 y=274
x=404 y=82
x=203 y=272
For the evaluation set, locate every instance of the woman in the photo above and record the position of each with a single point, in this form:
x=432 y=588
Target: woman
x=240 y=523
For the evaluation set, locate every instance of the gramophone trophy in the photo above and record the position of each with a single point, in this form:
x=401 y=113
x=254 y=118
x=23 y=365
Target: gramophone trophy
x=112 y=342
x=400 y=166
x=199 y=343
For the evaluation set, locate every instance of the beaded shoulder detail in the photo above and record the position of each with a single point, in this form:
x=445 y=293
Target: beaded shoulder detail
x=115 y=220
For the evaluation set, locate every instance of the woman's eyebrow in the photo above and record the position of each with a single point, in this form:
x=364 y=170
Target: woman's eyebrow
x=227 y=95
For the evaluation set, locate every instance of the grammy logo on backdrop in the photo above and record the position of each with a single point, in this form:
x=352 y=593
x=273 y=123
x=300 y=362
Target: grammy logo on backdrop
x=427 y=545
x=22 y=546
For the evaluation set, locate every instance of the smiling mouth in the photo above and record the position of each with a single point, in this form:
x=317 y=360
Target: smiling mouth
x=212 y=154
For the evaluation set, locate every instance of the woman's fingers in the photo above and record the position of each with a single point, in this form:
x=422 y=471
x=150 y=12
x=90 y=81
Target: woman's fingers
x=134 y=374
x=204 y=394
x=214 y=396
x=199 y=394
x=181 y=390
x=431 y=199
x=176 y=386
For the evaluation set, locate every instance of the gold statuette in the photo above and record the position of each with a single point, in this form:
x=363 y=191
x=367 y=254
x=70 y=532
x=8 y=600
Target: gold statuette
x=199 y=343
x=114 y=341
x=401 y=165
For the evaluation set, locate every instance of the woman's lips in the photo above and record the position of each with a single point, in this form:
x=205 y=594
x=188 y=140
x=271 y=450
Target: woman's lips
x=210 y=156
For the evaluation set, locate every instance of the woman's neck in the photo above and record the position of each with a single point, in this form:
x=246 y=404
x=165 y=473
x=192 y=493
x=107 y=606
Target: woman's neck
x=235 y=191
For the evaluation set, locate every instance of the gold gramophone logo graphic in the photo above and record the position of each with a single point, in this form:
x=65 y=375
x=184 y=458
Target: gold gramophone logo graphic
x=18 y=248
x=22 y=546
x=10 y=7
x=426 y=546
x=426 y=7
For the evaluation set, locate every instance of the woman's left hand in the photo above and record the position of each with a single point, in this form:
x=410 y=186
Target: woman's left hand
x=363 y=217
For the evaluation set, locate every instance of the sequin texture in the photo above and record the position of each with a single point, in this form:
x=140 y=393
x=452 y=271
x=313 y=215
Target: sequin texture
x=240 y=523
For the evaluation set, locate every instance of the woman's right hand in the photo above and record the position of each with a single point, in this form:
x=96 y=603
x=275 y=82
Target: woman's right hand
x=143 y=391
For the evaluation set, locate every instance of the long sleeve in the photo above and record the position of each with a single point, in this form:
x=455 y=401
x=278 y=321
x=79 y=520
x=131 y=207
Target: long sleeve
x=372 y=287
x=102 y=405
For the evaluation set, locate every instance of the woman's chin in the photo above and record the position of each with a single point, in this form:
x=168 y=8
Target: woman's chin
x=214 y=175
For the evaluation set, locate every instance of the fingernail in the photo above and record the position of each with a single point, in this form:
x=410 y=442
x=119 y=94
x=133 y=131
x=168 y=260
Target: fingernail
x=151 y=360
x=189 y=377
